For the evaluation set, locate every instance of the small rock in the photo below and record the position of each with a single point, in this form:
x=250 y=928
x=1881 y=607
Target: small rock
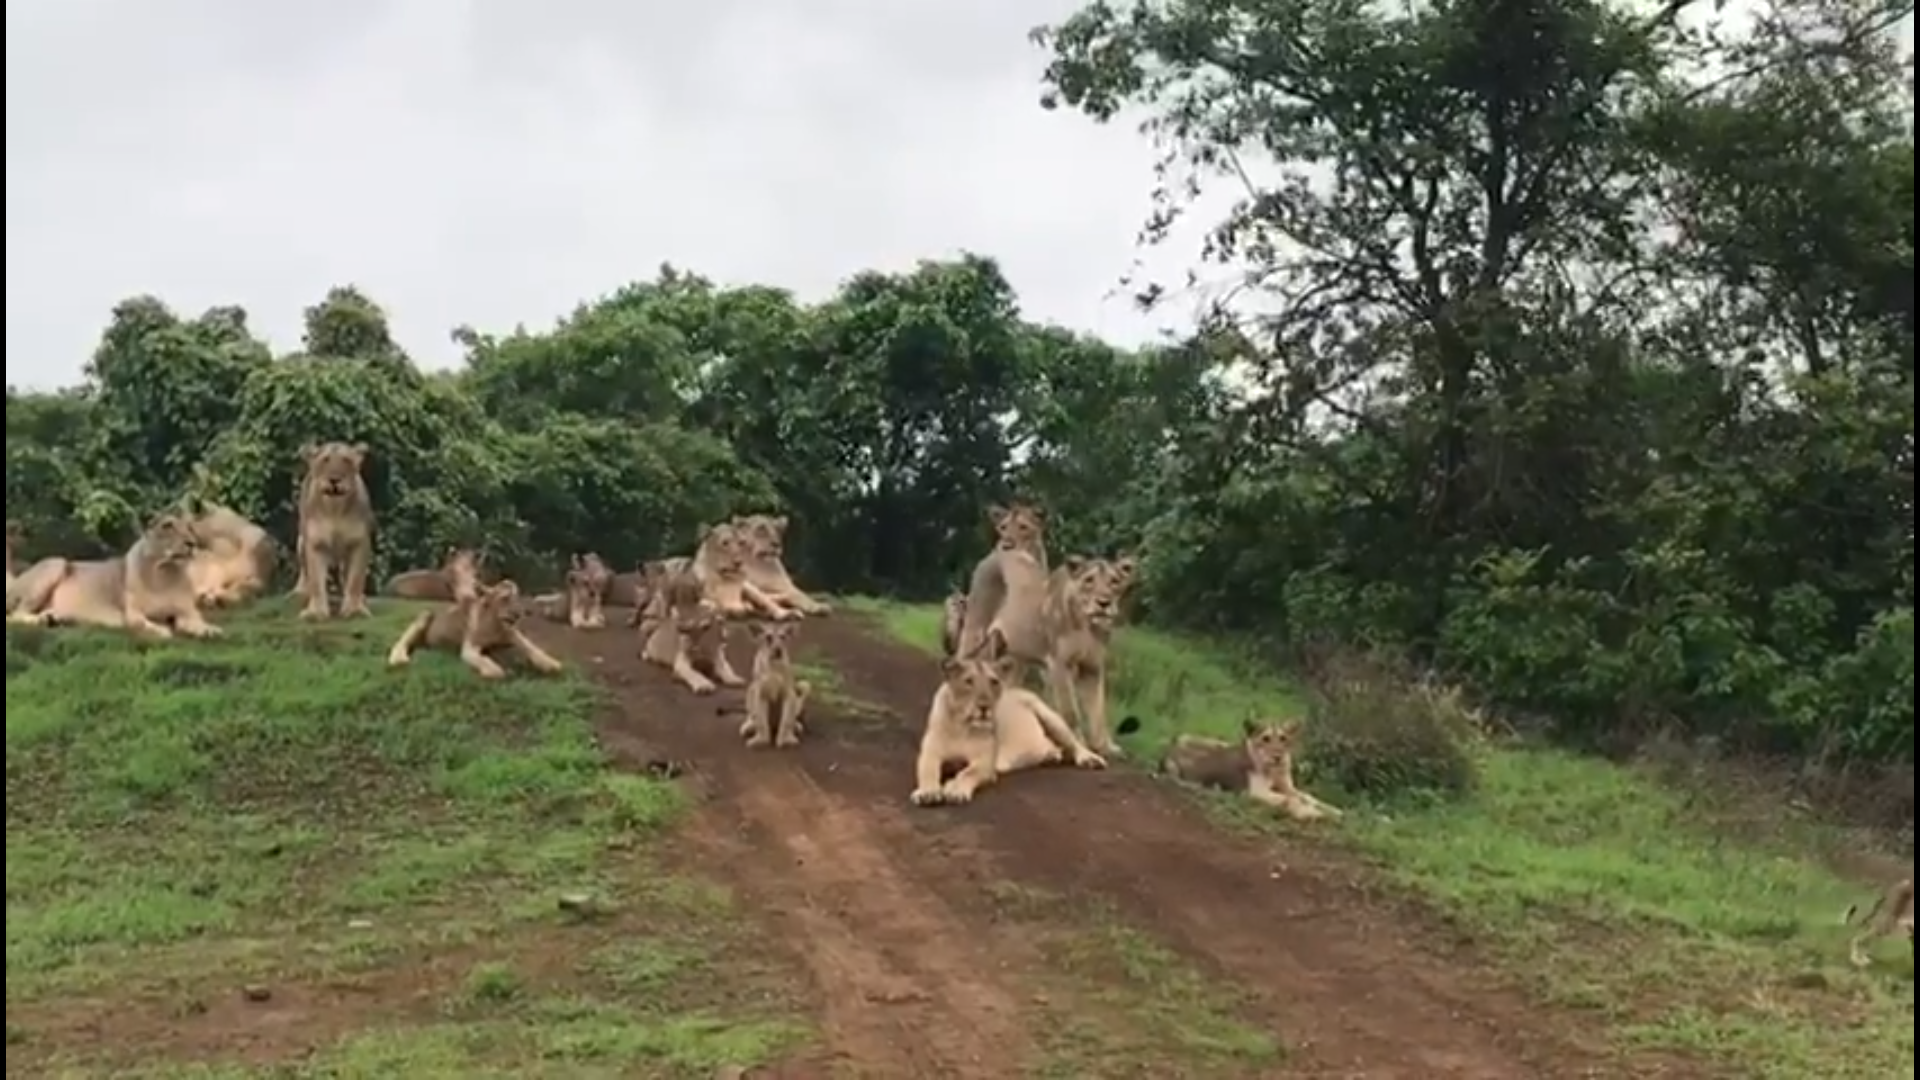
x=581 y=905
x=359 y=924
x=256 y=992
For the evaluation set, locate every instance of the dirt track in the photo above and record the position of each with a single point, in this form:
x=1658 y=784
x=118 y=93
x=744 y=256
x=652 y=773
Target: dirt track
x=889 y=909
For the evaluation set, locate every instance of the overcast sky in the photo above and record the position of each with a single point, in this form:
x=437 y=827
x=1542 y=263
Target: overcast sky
x=497 y=161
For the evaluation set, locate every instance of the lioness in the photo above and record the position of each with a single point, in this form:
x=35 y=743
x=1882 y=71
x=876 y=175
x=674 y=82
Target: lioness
x=766 y=566
x=1892 y=911
x=774 y=696
x=721 y=565
x=989 y=729
x=1009 y=586
x=142 y=591
x=1082 y=601
x=336 y=527
x=577 y=602
x=586 y=608
x=457 y=578
x=691 y=638
x=1261 y=765
x=475 y=628
x=236 y=556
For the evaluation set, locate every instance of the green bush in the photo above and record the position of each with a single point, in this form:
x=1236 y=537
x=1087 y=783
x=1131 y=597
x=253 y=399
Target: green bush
x=1381 y=731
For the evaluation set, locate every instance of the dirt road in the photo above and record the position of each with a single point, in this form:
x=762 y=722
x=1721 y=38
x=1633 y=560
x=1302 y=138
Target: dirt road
x=897 y=914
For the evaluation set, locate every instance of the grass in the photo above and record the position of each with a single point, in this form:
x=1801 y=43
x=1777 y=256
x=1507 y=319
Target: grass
x=1594 y=882
x=271 y=846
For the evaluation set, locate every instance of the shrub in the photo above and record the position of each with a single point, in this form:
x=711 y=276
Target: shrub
x=1380 y=730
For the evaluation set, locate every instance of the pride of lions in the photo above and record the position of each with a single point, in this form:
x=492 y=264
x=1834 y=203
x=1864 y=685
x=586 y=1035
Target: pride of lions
x=1019 y=616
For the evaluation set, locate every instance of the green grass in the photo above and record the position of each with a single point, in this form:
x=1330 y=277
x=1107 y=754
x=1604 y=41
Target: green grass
x=1594 y=882
x=277 y=811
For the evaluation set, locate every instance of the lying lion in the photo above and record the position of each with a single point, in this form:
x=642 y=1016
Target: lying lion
x=989 y=728
x=775 y=696
x=720 y=564
x=691 y=643
x=236 y=556
x=460 y=571
x=1891 y=913
x=1260 y=765
x=628 y=589
x=766 y=536
x=578 y=603
x=475 y=629
x=144 y=591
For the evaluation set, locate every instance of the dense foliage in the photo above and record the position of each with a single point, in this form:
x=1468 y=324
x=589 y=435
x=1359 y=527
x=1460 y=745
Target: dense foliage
x=1582 y=375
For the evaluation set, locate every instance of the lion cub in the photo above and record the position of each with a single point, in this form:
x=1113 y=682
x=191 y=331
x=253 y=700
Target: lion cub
x=989 y=728
x=1891 y=912
x=688 y=639
x=474 y=628
x=774 y=696
x=1261 y=765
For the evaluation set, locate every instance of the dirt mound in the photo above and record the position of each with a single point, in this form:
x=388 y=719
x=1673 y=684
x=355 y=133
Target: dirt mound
x=897 y=913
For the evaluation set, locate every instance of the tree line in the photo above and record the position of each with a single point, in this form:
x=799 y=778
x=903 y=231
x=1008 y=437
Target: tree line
x=1584 y=374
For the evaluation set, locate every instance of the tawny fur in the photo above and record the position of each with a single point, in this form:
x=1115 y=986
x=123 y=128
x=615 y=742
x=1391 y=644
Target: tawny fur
x=953 y=617
x=587 y=583
x=1891 y=913
x=477 y=630
x=766 y=566
x=775 y=696
x=1260 y=766
x=235 y=559
x=988 y=728
x=1077 y=618
x=149 y=590
x=461 y=569
x=1008 y=588
x=691 y=642
x=336 y=529
x=628 y=590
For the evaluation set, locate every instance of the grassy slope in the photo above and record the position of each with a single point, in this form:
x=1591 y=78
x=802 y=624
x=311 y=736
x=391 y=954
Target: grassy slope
x=1590 y=879
x=191 y=824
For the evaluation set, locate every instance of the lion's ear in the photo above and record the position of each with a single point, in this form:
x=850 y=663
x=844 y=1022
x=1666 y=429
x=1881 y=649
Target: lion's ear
x=1250 y=727
x=951 y=667
x=998 y=514
x=360 y=451
x=1074 y=564
x=1039 y=512
x=308 y=452
x=780 y=524
x=1125 y=566
x=505 y=590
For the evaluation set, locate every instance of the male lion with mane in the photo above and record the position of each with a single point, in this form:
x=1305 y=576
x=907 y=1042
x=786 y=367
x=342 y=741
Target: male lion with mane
x=144 y=590
x=336 y=528
x=988 y=728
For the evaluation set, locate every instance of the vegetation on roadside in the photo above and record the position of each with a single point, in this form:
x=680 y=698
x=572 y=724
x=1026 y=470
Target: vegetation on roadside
x=1604 y=889
x=414 y=872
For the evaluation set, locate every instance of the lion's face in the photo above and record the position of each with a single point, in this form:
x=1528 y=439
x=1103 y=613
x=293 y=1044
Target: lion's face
x=333 y=468
x=975 y=683
x=500 y=603
x=726 y=548
x=171 y=538
x=1270 y=745
x=766 y=534
x=581 y=588
x=698 y=623
x=1100 y=584
x=1020 y=527
x=774 y=639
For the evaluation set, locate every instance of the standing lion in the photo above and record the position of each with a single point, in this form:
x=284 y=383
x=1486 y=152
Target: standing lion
x=336 y=528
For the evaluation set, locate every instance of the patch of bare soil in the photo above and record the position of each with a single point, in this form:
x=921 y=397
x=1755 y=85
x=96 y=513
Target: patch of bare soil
x=888 y=909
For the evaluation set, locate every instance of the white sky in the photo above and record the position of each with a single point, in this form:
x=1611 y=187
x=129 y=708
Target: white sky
x=498 y=161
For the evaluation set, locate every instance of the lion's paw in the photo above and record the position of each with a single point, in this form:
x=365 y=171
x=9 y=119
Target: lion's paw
x=1087 y=759
x=398 y=659
x=929 y=796
x=315 y=613
x=955 y=795
x=757 y=741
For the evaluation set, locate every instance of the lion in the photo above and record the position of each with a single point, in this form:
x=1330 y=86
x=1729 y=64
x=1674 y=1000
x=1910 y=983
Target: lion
x=1077 y=615
x=721 y=563
x=336 y=528
x=691 y=638
x=1891 y=912
x=775 y=697
x=1260 y=765
x=766 y=567
x=1009 y=586
x=236 y=556
x=457 y=578
x=989 y=729
x=953 y=616
x=576 y=603
x=149 y=590
x=477 y=627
